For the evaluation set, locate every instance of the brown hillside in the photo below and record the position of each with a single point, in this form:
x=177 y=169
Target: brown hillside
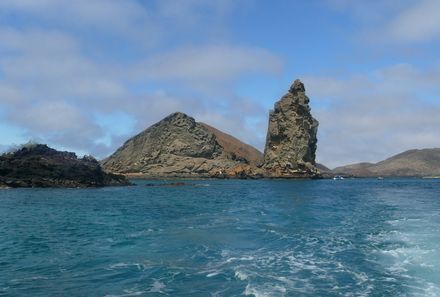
x=234 y=146
x=424 y=162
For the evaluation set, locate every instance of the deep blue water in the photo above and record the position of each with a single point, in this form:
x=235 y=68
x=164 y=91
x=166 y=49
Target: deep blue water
x=224 y=238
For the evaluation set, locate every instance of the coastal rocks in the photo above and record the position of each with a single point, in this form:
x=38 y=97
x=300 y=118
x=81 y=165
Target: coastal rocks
x=291 y=137
x=180 y=147
x=37 y=165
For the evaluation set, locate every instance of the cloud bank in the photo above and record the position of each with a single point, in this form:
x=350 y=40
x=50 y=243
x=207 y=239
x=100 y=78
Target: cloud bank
x=378 y=114
x=86 y=75
x=58 y=87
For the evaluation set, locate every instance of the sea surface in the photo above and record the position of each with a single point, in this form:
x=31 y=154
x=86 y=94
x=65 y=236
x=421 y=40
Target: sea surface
x=360 y=237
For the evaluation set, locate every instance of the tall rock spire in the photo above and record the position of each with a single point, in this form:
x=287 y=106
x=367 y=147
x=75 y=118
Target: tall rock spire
x=291 y=136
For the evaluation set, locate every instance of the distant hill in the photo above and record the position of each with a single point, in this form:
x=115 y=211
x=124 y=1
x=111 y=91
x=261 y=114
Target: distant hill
x=418 y=162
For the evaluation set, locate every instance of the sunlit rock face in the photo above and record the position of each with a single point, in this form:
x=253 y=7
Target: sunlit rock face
x=291 y=136
x=178 y=146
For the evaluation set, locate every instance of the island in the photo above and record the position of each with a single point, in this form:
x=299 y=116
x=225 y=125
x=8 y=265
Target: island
x=37 y=165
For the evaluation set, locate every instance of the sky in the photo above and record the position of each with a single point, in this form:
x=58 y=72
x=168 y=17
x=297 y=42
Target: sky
x=86 y=75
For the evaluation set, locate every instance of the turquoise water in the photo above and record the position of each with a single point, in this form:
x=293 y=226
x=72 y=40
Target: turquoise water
x=224 y=238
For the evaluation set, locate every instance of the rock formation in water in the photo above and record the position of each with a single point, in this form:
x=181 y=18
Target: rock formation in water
x=178 y=146
x=37 y=165
x=291 y=137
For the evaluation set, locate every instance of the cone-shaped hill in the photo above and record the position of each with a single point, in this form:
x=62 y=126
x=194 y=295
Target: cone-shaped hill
x=178 y=146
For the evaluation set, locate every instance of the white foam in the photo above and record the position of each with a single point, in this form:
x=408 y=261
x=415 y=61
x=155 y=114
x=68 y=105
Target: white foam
x=157 y=287
x=141 y=233
x=251 y=291
x=267 y=291
x=32 y=278
x=126 y=265
x=128 y=293
x=241 y=275
x=213 y=274
x=409 y=251
x=245 y=258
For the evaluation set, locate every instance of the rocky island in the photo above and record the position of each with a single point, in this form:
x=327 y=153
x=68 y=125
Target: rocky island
x=291 y=137
x=180 y=147
x=37 y=165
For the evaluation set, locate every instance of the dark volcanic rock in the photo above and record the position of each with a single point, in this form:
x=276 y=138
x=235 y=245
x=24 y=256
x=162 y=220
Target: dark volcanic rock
x=178 y=146
x=41 y=166
x=291 y=137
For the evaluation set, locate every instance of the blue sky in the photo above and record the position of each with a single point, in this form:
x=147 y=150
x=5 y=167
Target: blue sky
x=86 y=75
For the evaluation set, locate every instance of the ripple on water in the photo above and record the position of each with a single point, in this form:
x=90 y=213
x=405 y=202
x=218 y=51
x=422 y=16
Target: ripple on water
x=233 y=238
x=409 y=254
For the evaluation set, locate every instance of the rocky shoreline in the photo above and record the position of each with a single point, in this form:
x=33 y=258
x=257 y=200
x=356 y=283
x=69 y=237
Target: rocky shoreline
x=37 y=165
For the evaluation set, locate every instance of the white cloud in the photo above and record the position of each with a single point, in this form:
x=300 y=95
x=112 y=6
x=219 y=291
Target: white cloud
x=57 y=122
x=53 y=117
x=403 y=21
x=211 y=63
x=56 y=74
x=51 y=73
x=3 y=148
x=370 y=117
x=126 y=18
x=418 y=22
x=9 y=94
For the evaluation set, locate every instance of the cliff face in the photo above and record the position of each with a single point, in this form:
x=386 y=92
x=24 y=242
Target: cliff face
x=291 y=136
x=178 y=146
x=40 y=166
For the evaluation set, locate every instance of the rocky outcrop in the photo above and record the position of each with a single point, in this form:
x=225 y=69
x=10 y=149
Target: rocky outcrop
x=179 y=147
x=37 y=165
x=291 y=137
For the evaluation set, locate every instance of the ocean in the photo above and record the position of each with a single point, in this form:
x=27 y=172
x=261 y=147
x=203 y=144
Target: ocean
x=353 y=237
